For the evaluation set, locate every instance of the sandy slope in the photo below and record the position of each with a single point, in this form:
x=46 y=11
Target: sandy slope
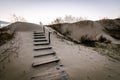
x=80 y=62
x=110 y=29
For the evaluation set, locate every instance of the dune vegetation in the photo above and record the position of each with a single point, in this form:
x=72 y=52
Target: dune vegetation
x=6 y=34
x=102 y=35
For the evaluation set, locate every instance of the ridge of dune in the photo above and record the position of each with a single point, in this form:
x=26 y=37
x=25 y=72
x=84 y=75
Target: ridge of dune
x=108 y=28
x=25 y=26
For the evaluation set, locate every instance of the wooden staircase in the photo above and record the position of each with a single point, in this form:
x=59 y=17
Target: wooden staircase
x=42 y=43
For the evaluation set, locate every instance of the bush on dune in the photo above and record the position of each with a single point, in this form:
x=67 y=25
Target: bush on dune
x=103 y=40
x=102 y=46
x=5 y=35
x=87 y=41
x=92 y=43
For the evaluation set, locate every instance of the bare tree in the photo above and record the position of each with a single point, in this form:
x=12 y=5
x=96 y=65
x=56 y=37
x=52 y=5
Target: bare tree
x=16 y=18
x=68 y=19
x=57 y=20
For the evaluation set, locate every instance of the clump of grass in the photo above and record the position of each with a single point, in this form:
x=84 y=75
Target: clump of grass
x=111 y=50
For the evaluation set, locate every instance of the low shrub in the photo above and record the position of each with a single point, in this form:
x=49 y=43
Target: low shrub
x=87 y=41
x=103 y=40
x=5 y=35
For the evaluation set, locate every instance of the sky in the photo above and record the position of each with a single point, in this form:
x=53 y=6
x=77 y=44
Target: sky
x=46 y=11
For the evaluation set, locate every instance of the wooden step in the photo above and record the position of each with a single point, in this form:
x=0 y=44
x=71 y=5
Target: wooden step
x=37 y=44
x=39 y=33
x=51 y=53
x=43 y=48
x=35 y=64
x=40 y=40
x=40 y=37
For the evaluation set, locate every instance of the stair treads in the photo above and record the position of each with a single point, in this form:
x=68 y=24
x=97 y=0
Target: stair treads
x=43 y=51
x=45 y=43
x=40 y=37
x=44 y=58
x=44 y=54
x=39 y=33
x=42 y=48
x=40 y=40
x=35 y=64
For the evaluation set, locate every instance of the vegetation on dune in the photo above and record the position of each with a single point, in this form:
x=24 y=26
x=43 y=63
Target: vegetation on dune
x=87 y=41
x=115 y=32
x=103 y=40
x=8 y=44
x=16 y=18
x=111 y=27
x=5 y=35
x=102 y=45
x=111 y=50
x=67 y=19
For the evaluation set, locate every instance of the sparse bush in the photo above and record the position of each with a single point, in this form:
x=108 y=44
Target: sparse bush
x=16 y=18
x=103 y=39
x=87 y=41
x=5 y=35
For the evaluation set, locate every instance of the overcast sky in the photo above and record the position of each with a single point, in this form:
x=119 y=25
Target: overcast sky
x=47 y=10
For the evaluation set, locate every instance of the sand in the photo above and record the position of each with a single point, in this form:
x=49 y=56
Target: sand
x=83 y=63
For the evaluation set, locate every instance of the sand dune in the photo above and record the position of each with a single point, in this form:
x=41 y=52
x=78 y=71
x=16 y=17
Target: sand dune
x=80 y=62
x=107 y=28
